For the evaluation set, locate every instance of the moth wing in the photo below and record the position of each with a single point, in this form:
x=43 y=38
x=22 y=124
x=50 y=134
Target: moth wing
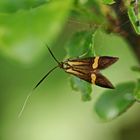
x=93 y=63
x=80 y=62
x=105 y=61
x=82 y=74
x=100 y=80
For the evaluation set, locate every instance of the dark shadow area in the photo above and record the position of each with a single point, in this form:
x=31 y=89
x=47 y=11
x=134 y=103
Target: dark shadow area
x=131 y=132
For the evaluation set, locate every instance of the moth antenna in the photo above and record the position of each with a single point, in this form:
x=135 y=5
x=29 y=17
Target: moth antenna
x=45 y=77
x=30 y=93
x=52 y=54
x=24 y=104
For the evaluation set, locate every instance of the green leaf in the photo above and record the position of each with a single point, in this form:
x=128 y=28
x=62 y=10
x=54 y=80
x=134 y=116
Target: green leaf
x=81 y=43
x=108 y=1
x=23 y=34
x=134 y=19
x=83 y=11
x=137 y=91
x=10 y=6
x=136 y=68
x=112 y=103
x=81 y=86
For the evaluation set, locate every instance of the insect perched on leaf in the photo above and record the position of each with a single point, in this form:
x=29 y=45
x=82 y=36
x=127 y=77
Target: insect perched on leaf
x=87 y=69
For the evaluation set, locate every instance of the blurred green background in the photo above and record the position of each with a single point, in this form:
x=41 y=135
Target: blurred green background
x=54 y=111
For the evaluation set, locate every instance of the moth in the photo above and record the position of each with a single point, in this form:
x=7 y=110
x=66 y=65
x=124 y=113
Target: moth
x=87 y=69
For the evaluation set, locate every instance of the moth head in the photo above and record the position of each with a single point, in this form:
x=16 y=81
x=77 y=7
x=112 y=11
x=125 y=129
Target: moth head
x=65 y=65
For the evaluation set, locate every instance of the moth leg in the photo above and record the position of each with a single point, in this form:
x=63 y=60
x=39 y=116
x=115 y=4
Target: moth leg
x=82 y=55
x=78 y=57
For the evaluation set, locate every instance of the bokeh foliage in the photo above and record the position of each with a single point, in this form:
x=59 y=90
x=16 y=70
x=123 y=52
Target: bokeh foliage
x=25 y=27
x=24 y=30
